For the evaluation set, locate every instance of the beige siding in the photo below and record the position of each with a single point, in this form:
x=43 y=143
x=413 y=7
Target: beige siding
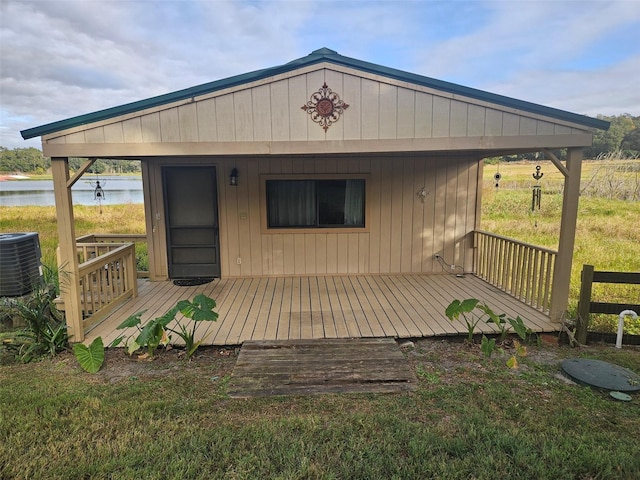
x=271 y=112
x=402 y=233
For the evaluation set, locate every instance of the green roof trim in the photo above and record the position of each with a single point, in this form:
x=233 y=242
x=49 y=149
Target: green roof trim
x=317 y=56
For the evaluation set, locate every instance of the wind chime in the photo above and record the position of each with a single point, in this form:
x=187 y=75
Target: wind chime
x=537 y=192
x=98 y=193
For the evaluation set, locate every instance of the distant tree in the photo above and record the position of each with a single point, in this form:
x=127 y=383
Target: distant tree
x=24 y=160
x=631 y=142
x=610 y=140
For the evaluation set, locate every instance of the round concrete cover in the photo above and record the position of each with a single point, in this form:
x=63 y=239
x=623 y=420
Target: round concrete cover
x=601 y=374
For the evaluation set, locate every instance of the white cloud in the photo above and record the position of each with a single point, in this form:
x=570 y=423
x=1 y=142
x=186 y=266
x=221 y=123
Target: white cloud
x=65 y=58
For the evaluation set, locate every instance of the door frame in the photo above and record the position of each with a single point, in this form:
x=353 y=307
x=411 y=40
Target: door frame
x=164 y=167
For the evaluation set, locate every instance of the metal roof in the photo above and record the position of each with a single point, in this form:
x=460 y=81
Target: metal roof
x=317 y=56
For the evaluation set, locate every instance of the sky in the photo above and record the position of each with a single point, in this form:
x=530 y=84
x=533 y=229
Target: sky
x=60 y=59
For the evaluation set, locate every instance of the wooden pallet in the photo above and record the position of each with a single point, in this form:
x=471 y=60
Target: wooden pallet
x=302 y=367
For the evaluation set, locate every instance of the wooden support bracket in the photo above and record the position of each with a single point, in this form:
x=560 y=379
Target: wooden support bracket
x=71 y=182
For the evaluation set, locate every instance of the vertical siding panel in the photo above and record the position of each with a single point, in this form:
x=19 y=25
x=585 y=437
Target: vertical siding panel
x=396 y=215
x=370 y=109
x=253 y=183
x=557 y=130
x=418 y=228
x=472 y=192
x=388 y=117
x=510 y=124
x=544 y=128
x=450 y=210
x=353 y=256
x=343 y=252
x=170 y=125
x=459 y=118
x=232 y=230
x=373 y=210
x=150 y=128
x=261 y=108
x=406 y=113
x=267 y=255
x=475 y=121
x=278 y=253
x=242 y=215
x=363 y=252
x=77 y=137
x=461 y=211
x=527 y=126
x=493 y=123
x=321 y=253
x=114 y=133
x=225 y=121
x=299 y=120
x=94 y=135
x=310 y=264
x=334 y=82
x=289 y=253
x=299 y=257
x=280 y=110
x=408 y=177
x=440 y=197
x=332 y=253
x=352 y=117
x=428 y=218
x=315 y=80
x=207 y=124
x=320 y=165
x=243 y=115
x=132 y=130
x=386 y=179
x=424 y=115
x=188 y=123
x=441 y=116
x=286 y=164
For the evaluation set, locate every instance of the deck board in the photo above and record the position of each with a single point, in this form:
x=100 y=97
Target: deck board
x=333 y=306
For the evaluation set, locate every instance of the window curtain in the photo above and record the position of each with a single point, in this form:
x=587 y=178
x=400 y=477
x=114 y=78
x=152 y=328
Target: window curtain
x=291 y=203
x=354 y=202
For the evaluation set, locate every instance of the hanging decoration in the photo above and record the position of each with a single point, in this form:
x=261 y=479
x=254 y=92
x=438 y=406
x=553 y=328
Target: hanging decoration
x=537 y=190
x=325 y=107
x=497 y=178
x=98 y=192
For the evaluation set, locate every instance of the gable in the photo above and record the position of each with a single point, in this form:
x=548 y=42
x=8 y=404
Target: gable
x=257 y=113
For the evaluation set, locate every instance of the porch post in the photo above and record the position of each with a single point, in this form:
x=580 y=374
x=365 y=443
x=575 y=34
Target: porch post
x=564 y=260
x=68 y=257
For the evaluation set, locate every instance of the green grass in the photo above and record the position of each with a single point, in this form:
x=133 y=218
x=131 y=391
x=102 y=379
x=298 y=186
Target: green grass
x=478 y=420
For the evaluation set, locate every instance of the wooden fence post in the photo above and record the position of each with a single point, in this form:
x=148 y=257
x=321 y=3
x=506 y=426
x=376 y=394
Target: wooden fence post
x=582 y=323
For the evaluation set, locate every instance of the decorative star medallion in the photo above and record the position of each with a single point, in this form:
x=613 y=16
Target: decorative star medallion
x=325 y=107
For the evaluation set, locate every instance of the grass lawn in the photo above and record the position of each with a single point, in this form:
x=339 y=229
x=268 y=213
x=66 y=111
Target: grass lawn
x=471 y=417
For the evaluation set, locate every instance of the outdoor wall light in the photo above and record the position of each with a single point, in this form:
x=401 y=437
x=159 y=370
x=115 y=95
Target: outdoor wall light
x=233 y=178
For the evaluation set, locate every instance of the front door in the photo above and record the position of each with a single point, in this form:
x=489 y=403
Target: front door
x=191 y=210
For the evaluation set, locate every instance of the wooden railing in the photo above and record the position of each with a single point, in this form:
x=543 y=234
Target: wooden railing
x=522 y=270
x=107 y=277
x=111 y=238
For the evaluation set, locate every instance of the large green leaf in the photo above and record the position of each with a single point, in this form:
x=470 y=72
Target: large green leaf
x=132 y=321
x=201 y=309
x=90 y=358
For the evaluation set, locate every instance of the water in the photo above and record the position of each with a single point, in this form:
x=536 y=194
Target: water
x=117 y=190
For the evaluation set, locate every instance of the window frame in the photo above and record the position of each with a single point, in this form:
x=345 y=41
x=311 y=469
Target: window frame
x=306 y=230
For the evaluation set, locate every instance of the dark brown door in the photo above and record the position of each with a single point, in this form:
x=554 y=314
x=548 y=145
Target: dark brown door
x=191 y=209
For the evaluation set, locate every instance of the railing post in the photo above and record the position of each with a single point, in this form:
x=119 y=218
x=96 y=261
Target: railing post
x=582 y=323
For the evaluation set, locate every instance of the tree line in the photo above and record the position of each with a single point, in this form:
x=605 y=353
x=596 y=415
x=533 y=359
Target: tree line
x=31 y=160
x=623 y=138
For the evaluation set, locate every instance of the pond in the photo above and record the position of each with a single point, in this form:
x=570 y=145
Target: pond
x=117 y=190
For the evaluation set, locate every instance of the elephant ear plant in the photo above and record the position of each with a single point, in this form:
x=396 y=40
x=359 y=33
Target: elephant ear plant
x=156 y=331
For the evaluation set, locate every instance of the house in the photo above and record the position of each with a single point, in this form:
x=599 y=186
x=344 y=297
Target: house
x=326 y=165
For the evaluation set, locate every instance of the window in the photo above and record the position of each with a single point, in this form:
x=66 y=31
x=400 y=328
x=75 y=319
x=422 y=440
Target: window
x=315 y=203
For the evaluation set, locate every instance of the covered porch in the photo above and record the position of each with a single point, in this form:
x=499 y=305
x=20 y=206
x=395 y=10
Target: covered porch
x=327 y=306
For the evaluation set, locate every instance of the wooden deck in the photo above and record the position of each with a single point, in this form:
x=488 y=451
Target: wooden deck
x=315 y=307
